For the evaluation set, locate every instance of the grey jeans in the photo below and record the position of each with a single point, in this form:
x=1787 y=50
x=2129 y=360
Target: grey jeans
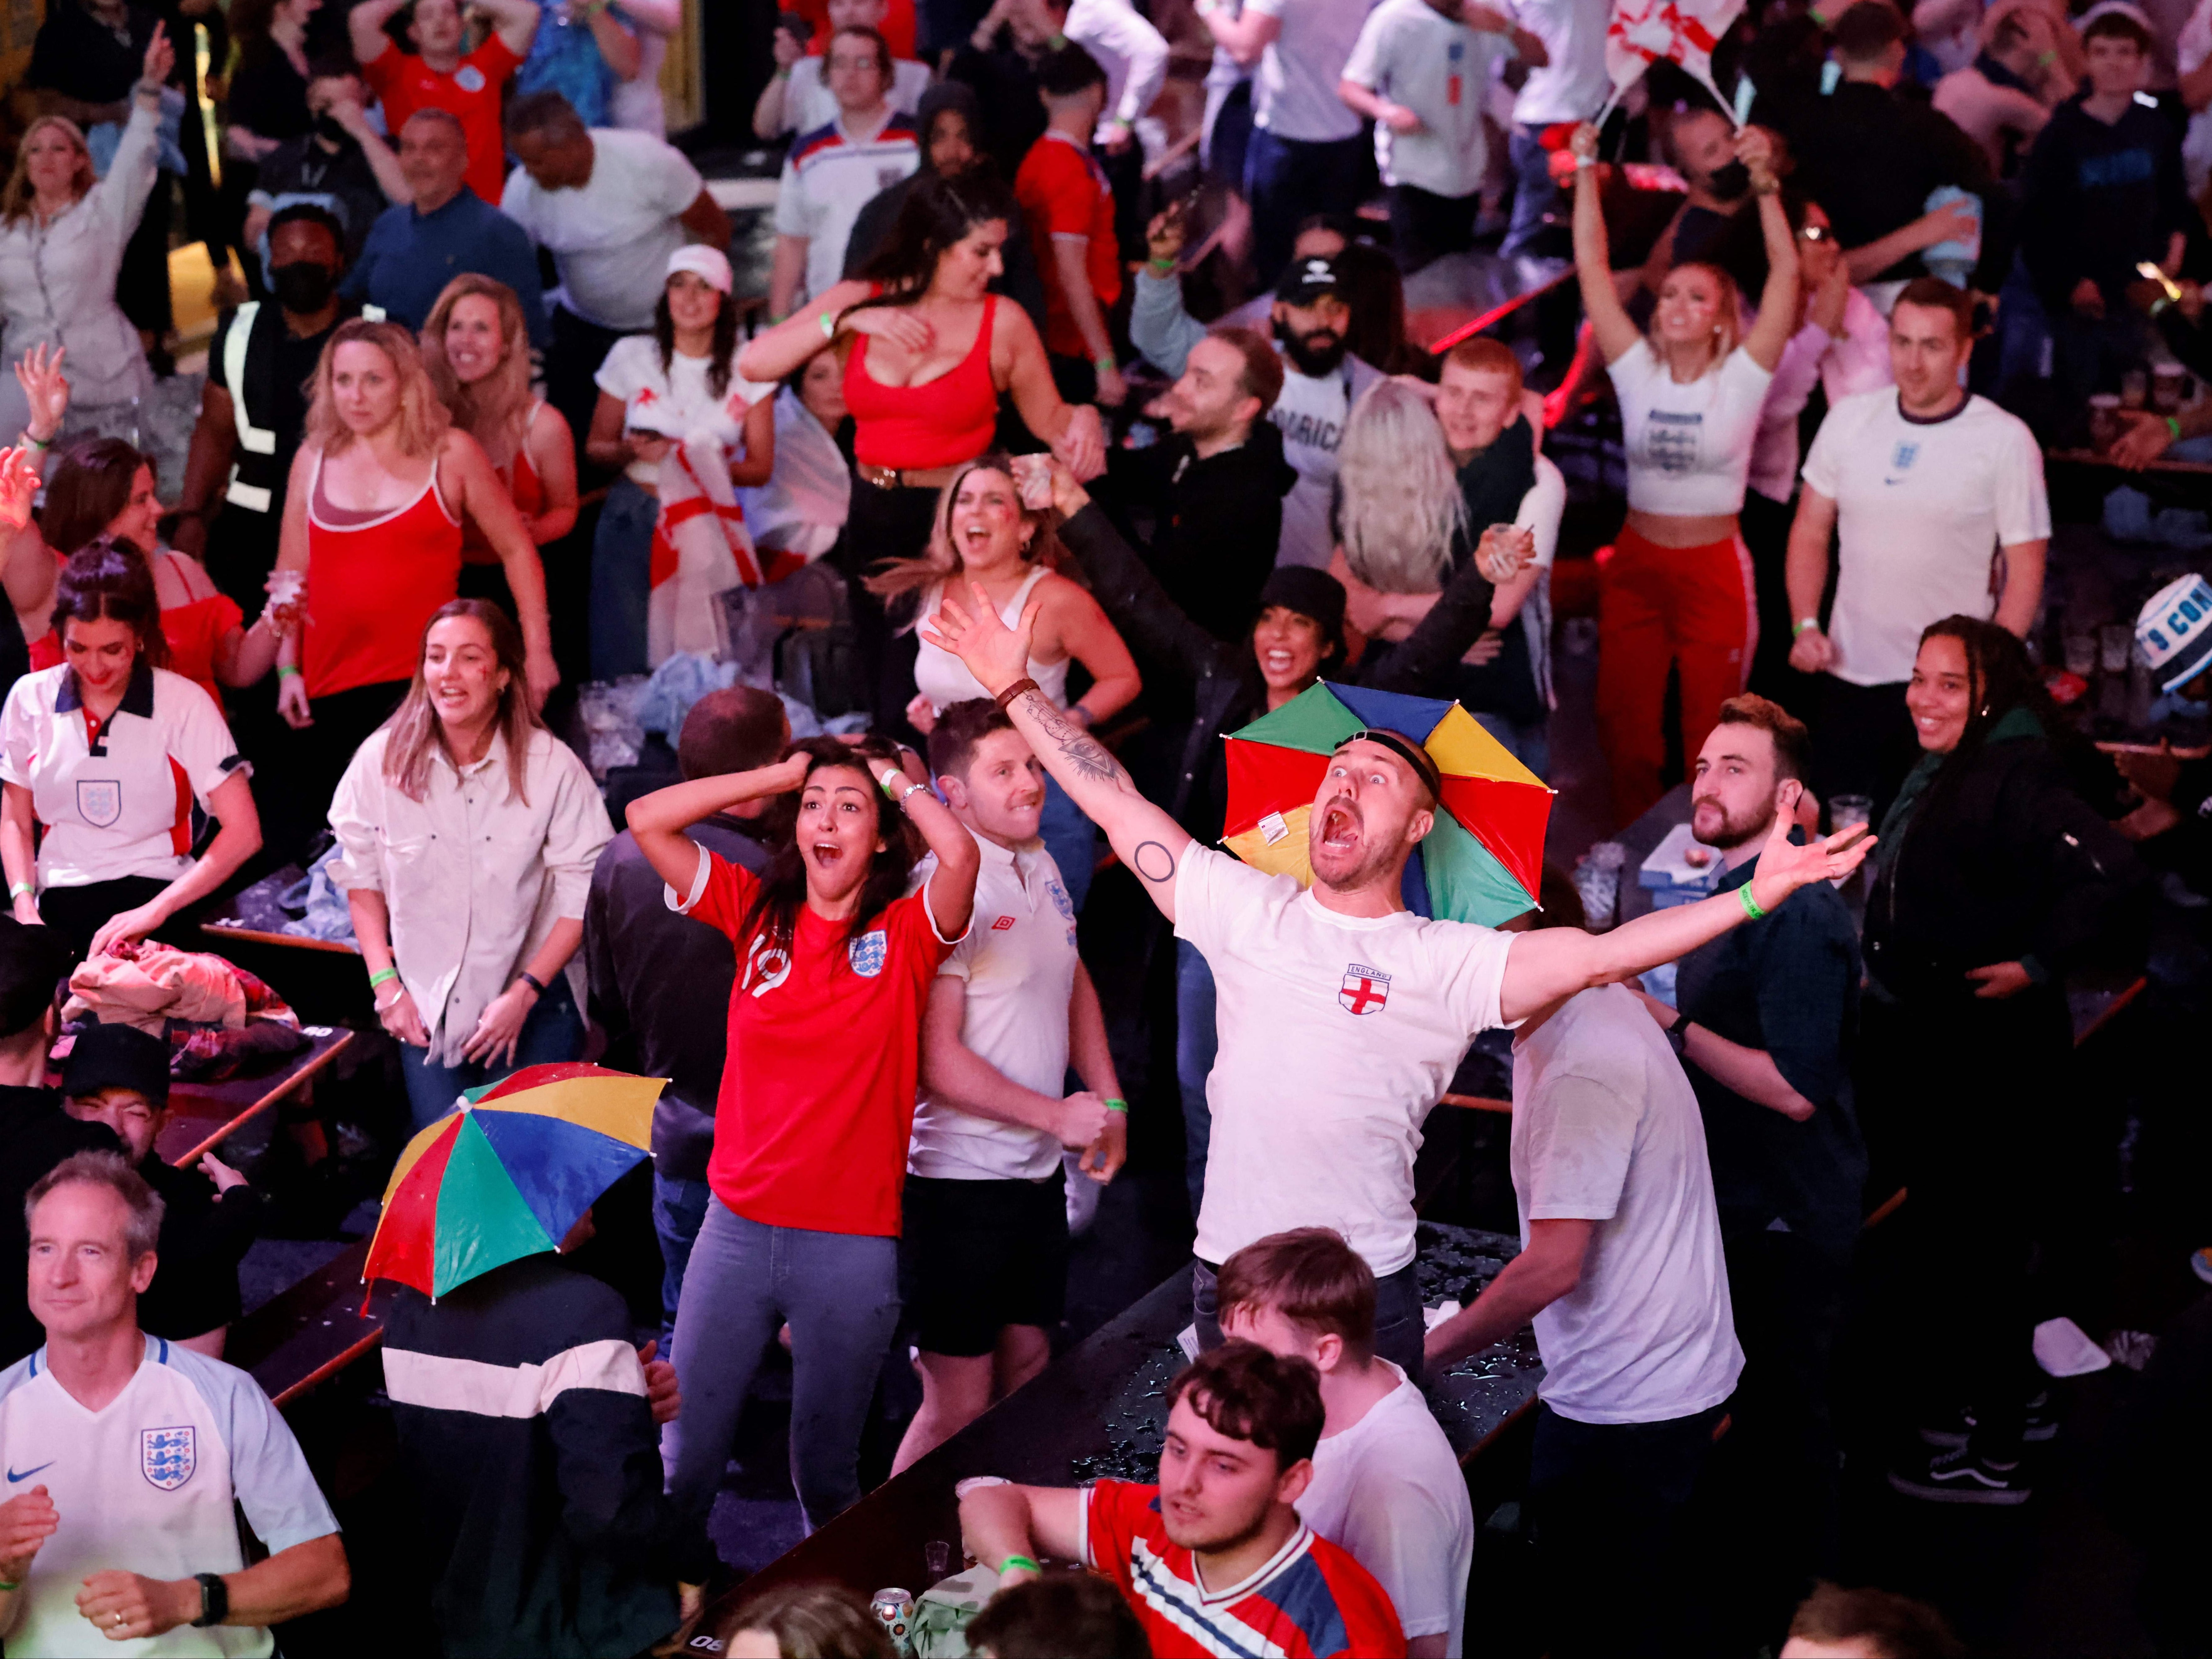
x=838 y=1292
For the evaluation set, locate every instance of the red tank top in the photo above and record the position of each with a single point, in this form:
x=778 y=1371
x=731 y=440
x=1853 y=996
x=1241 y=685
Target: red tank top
x=942 y=422
x=524 y=488
x=372 y=585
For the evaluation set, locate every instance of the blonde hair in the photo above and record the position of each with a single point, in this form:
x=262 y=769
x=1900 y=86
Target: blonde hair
x=943 y=562
x=416 y=732
x=422 y=420
x=495 y=410
x=16 y=199
x=1729 y=329
x=1399 y=510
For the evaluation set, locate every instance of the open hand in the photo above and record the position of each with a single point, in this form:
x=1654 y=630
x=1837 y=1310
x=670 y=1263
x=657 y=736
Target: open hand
x=499 y=1028
x=126 y=1606
x=126 y=925
x=2147 y=438
x=1069 y=497
x=995 y=655
x=38 y=372
x=901 y=328
x=1784 y=867
x=1505 y=551
x=1999 y=980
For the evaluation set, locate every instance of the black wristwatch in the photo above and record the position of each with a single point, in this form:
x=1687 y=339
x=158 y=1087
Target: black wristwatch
x=214 y=1599
x=532 y=980
x=1678 y=1035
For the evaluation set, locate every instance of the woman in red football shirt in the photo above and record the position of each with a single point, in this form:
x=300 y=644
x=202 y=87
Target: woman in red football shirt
x=834 y=961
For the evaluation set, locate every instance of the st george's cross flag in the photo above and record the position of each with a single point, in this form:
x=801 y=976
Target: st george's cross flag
x=1642 y=33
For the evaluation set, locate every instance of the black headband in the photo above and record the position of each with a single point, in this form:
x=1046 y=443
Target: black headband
x=1407 y=751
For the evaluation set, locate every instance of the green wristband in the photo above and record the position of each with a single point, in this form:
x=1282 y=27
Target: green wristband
x=1120 y=1106
x=284 y=668
x=2173 y=425
x=19 y=890
x=388 y=974
x=1019 y=1563
x=1751 y=905
x=4 y=1588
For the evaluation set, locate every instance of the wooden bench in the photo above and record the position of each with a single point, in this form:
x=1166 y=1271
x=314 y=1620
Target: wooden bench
x=202 y=1116
x=309 y=1333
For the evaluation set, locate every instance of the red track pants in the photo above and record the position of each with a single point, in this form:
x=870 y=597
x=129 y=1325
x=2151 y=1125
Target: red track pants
x=1656 y=606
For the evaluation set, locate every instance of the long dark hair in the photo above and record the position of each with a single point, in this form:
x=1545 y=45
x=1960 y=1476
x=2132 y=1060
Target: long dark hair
x=783 y=882
x=719 y=358
x=937 y=212
x=2001 y=676
x=90 y=486
x=109 y=577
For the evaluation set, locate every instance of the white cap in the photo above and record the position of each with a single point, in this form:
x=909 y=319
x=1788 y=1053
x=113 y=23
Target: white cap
x=710 y=264
x=2175 y=632
x=2135 y=14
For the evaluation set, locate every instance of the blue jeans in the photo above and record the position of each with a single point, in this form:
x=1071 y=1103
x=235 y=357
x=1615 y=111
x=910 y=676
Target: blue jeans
x=1534 y=195
x=622 y=581
x=1196 y=1044
x=839 y=1293
x=553 y=1030
x=1072 y=841
x=1289 y=179
x=679 y=1207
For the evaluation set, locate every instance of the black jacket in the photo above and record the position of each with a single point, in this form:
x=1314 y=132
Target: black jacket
x=2003 y=862
x=1871 y=156
x=204 y=1237
x=35 y=1135
x=546 y=1533
x=1218 y=522
x=1226 y=689
x=2096 y=198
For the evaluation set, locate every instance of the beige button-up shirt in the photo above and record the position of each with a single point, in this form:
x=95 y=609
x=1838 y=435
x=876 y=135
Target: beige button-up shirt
x=475 y=877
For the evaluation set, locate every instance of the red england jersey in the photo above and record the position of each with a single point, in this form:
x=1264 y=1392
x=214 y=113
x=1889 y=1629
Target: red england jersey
x=405 y=84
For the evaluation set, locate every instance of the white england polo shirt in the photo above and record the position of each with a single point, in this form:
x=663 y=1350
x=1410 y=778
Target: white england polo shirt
x=115 y=799
x=146 y=1485
x=1019 y=962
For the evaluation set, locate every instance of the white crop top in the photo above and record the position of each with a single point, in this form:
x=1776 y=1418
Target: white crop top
x=944 y=679
x=1689 y=445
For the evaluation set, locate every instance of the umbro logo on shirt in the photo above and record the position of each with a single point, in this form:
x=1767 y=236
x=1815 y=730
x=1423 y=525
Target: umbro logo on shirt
x=1002 y=924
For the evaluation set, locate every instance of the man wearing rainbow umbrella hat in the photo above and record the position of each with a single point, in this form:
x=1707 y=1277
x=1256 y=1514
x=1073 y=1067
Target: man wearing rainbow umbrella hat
x=1342 y=1013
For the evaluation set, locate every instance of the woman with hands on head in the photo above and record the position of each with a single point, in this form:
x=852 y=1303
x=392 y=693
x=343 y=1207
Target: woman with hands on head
x=834 y=961
x=468 y=833
x=1677 y=588
x=63 y=231
x=927 y=351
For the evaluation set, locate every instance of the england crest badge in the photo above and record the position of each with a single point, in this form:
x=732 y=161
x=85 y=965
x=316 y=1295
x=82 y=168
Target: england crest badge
x=867 y=953
x=99 y=801
x=167 y=1457
x=1365 y=989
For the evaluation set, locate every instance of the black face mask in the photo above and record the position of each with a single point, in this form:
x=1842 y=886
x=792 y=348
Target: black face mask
x=303 y=286
x=328 y=129
x=1314 y=354
x=1730 y=182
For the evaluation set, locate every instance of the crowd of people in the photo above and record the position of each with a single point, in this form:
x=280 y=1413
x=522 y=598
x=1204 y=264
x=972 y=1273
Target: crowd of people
x=1096 y=478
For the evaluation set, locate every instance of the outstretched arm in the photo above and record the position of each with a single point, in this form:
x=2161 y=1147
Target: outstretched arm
x=1778 y=301
x=1555 y=963
x=952 y=886
x=1615 y=331
x=1143 y=837
x=365 y=28
x=659 y=820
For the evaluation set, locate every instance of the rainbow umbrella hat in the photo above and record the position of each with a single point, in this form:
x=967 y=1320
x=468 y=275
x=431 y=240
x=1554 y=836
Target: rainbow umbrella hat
x=1484 y=860
x=510 y=1173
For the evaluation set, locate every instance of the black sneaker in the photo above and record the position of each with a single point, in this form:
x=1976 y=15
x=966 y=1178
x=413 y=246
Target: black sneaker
x=2040 y=1422
x=1949 y=1430
x=1959 y=1476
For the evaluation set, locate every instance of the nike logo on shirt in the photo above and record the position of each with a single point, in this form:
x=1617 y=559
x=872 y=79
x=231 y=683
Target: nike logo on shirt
x=13 y=1477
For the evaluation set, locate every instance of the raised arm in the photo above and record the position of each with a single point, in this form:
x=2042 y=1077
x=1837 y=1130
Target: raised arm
x=365 y=28
x=777 y=351
x=1554 y=963
x=1615 y=331
x=659 y=820
x=1777 y=301
x=515 y=22
x=616 y=41
x=1144 y=836
x=1159 y=328
x=383 y=160
x=952 y=884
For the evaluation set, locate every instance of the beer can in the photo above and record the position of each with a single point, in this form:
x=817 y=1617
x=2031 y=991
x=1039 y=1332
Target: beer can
x=894 y=1610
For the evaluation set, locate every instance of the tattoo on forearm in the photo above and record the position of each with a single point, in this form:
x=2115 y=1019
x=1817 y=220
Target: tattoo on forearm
x=1154 y=862
x=1083 y=751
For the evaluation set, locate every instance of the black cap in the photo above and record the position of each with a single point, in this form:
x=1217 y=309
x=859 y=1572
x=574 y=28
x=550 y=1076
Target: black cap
x=1304 y=280
x=1309 y=593
x=109 y=1056
x=34 y=962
